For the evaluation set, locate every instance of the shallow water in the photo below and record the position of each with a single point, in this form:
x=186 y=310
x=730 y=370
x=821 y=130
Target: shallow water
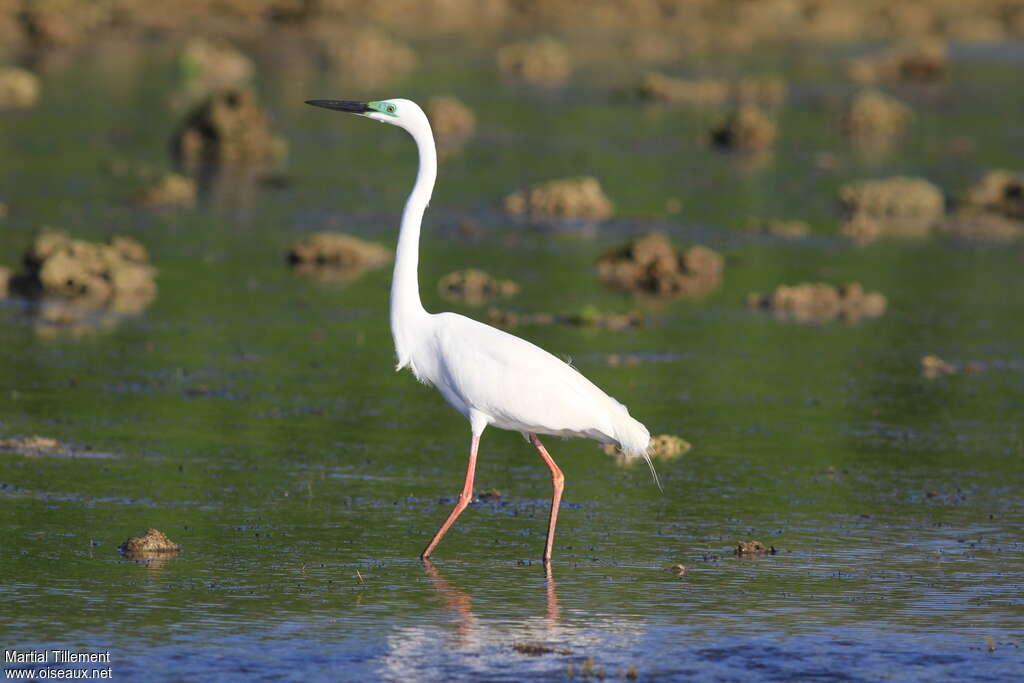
x=253 y=415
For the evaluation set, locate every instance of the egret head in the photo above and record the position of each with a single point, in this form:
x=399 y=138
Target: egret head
x=398 y=112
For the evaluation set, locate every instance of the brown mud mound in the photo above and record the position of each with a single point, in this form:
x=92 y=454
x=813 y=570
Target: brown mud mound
x=153 y=543
x=662 y=447
x=789 y=229
x=474 y=287
x=977 y=225
x=5 y=280
x=820 y=301
x=702 y=92
x=876 y=118
x=666 y=446
x=649 y=265
x=19 y=89
x=214 y=64
x=364 y=56
x=1000 y=192
x=33 y=445
x=748 y=130
x=588 y=317
x=900 y=206
x=229 y=128
x=753 y=548
x=933 y=367
x=336 y=257
x=561 y=200
x=922 y=61
x=114 y=275
x=990 y=211
x=453 y=123
x=543 y=63
x=168 y=190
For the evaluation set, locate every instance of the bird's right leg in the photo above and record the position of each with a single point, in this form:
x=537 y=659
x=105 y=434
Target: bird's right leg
x=464 y=498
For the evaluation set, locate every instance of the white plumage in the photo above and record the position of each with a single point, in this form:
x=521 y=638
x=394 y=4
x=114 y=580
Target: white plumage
x=490 y=376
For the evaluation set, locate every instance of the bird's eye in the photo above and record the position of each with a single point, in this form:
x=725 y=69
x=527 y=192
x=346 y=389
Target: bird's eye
x=391 y=108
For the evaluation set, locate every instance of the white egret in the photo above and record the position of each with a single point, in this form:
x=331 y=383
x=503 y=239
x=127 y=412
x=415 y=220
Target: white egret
x=490 y=376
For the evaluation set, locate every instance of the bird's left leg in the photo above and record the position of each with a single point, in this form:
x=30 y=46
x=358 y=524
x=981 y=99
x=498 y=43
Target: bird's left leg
x=464 y=498
x=558 y=482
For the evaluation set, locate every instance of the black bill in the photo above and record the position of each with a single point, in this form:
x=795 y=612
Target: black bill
x=341 y=105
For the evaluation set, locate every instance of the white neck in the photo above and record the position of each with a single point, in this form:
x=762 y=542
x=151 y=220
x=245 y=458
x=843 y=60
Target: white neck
x=406 y=307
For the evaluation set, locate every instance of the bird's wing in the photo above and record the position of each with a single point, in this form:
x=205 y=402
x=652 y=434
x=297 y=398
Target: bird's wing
x=516 y=382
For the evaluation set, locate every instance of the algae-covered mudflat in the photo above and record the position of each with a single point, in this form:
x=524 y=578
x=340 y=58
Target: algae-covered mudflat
x=198 y=380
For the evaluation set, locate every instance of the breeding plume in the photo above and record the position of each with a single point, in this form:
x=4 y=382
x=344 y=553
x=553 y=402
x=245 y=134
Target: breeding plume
x=490 y=376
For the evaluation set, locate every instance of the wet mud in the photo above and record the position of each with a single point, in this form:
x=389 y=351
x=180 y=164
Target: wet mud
x=230 y=128
x=565 y=200
x=900 y=207
x=475 y=287
x=819 y=301
x=651 y=267
x=80 y=287
x=19 y=88
x=336 y=257
x=748 y=130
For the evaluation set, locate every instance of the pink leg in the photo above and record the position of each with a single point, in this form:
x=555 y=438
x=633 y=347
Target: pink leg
x=464 y=498
x=557 y=481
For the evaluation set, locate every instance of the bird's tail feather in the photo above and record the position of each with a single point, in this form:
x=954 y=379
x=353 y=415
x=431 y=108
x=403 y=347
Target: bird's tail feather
x=634 y=440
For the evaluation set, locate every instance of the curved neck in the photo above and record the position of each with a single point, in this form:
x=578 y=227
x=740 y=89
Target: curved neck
x=405 y=290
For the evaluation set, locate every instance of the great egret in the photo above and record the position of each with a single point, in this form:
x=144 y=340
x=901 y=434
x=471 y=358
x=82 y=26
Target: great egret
x=490 y=376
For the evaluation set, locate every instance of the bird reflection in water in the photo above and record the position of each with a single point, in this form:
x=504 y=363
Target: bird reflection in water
x=461 y=604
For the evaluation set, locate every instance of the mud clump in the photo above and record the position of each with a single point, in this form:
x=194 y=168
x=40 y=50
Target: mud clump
x=474 y=287
x=981 y=226
x=922 y=62
x=489 y=495
x=876 y=119
x=32 y=445
x=990 y=211
x=748 y=130
x=933 y=367
x=453 y=123
x=168 y=190
x=214 y=64
x=1000 y=192
x=336 y=257
x=5 y=280
x=753 y=548
x=365 y=56
x=789 y=229
x=704 y=92
x=229 y=128
x=820 y=302
x=666 y=446
x=19 y=89
x=766 y=91
x=559 y=201
x=115 y=275
x=542 y=63
x=677 y=569
x=662 y=447
x=153 y=542
x=588 y=317
x=649 y=265
x=902 y=207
